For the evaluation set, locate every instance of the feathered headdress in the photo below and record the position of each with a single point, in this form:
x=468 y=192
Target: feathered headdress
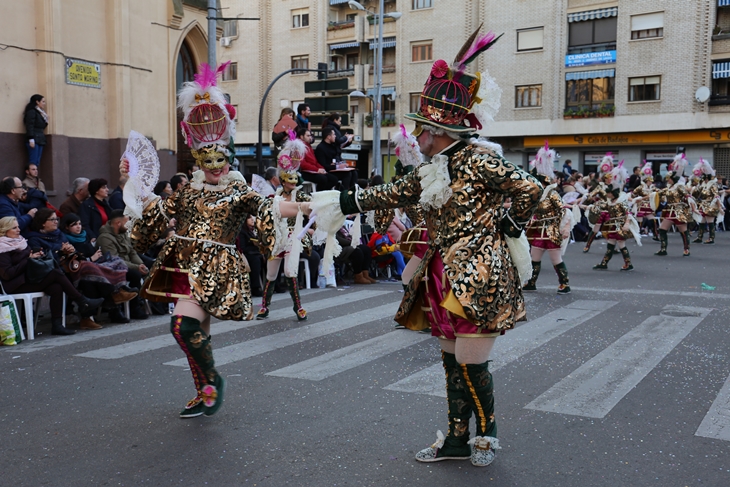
x=703 y=168
x=544 y=162
x=207 y=117
x=290 y=158
x=647 y=171
x=619 y=175
x=406 y=148
x=606 y=165
x=677 y=167
x=456 y=101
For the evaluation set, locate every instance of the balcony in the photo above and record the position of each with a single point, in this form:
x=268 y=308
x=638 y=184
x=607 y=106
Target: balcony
x=389 y=27
x=341 y=73
x=601 y=111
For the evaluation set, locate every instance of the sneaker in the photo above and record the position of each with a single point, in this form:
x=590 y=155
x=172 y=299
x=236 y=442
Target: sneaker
x=193 y=409
x=685 y=253
x=483 y=450
x=627 y=268
x=529 y=287
x=434 y=453
x=563 y=289
x=600 y=267
x=262 y=314
x=213 y=395
x=661 y=252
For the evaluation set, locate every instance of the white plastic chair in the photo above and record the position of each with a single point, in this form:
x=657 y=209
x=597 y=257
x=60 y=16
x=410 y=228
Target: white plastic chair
x=306 y=272
x=30 y=318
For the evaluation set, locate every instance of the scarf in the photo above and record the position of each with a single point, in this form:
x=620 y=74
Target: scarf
x=8 y=244
x=303 y=120
x=80 y=238
x=43 y=114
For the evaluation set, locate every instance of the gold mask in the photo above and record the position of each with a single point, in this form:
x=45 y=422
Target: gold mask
x=210 y=157
x=288 y=177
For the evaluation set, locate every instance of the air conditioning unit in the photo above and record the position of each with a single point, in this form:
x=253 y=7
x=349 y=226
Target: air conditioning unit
x=226 y=41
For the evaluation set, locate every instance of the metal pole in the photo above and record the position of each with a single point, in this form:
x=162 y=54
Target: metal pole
x=377 y=160
x=259 y=145
x=212 y=14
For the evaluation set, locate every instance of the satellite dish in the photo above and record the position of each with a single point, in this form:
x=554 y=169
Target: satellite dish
x=702 y=94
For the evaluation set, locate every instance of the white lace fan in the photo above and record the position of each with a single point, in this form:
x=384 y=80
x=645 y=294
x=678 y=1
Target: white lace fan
x=144 y=172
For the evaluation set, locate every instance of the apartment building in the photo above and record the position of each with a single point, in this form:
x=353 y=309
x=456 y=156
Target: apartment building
x=642 y=79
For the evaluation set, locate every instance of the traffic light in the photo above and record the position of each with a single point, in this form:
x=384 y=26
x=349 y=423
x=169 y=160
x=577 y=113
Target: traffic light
x=321 y=70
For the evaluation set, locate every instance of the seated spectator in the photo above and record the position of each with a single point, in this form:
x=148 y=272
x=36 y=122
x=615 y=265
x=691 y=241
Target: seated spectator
x=14 y=255
x=32 y=180
x=280 y=132
x=328 y=156
x=248 y=245
x=384 y=250
x=271 y=175
x=310 y=169
x=95 y=210
x=116 y=199
x=11 y=192
x=178 y=181
x=32 y=198
x=114 y=238
x=396 y=229
x=358 y=255
x=163 y=189
x=78 y=194
x=106 y=277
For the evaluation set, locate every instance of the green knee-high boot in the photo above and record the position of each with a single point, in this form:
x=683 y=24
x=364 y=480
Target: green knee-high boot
x=195 y=343
x=293 y=285
x=663 y=242
x=627 y=260
x=530 y=285
x=604 y=263
x=455 y=446
x=266 y=300
x=700 y=233
x=656 y=230
x=711 y=240
x=589 y=241
x=685 y=241
x=563 y=281
x=480 y=390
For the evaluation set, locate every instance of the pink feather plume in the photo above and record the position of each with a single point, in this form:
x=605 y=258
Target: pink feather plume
x=206 y=77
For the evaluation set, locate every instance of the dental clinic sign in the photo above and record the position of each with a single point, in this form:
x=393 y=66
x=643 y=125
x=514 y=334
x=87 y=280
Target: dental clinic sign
x=590 y=59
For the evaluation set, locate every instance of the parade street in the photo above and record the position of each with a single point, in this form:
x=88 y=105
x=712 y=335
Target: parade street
x=626 y=381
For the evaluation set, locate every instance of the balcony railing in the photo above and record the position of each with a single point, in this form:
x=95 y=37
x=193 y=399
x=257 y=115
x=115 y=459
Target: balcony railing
x=386 y=69
x=347 y=24
x=610 y=46
x=341 y=73
x=716 y=100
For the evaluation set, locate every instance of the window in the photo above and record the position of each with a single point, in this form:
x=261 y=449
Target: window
x=231 y=72
x=351 y=60
x=419 y=4
x=235 y=107
x=528 y=96
x=645 y=89
x=592 y=35
x=300 y=18
x=590 y=93
x=415 y=102
x=300 y=62
x=529 y=39
x=647 y=25
x=720 y=94
x=230 y=28
x=388 y=109
x=421 y=52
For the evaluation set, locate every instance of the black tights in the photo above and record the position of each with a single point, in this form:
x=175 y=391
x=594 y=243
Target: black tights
x=360 y=259
x=54 y=284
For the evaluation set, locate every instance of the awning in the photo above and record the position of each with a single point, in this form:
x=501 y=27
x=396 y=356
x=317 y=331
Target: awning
x=599 y=73
x=593 y=14
x=387 y=42
x=723 y=3
x=721 y=70
x=384 y=91
x=344 y=45
x=337 y=2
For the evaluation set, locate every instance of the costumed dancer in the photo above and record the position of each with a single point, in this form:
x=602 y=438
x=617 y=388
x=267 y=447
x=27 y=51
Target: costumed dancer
x=598 y=194
x=287 y=228
x=680 y=205
x=549 y=229
x=617 y=222
x=708 y=200
x=199 y=267
x=641 y=201
x=467 y=285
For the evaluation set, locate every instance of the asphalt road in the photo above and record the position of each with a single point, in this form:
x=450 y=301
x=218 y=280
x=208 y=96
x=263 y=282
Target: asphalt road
x=623 y=382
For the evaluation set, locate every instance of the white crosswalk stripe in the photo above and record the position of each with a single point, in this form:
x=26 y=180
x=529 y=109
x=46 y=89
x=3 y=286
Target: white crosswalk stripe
x=513 y=345
x=347 y=358
x=597 y=386
x=155 y=343
x=251 y=348
x=716 y=423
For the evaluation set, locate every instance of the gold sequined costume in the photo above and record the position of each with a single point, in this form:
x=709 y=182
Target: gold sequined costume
x=465 y=232
x=677 y=209
x=705 y=195
x=208 y=220
x=545 y=223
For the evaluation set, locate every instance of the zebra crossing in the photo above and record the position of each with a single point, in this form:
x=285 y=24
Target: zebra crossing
x=592 y=390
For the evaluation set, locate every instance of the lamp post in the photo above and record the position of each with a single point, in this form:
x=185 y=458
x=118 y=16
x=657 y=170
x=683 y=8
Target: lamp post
x=377 y=160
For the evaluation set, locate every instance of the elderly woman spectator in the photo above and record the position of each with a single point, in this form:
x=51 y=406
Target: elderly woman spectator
x=14 y=256
x=95 y=211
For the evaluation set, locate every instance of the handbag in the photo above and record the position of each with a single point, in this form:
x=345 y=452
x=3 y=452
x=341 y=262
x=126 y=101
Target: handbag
x=70 y=263
x=38 y=269
x=9 y=320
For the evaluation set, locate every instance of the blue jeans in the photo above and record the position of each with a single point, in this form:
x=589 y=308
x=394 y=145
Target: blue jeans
x=34 y=153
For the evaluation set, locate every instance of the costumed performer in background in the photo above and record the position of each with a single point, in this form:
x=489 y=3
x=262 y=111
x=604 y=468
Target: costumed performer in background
x=641 y=201
x=680 y=205
x=199 y=267
x=708 y=200
x=467 y=285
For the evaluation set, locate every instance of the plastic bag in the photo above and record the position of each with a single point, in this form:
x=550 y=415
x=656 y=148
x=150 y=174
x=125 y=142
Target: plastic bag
x=9 y=324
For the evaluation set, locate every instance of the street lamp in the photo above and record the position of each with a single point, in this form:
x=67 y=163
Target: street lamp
x=377 y=160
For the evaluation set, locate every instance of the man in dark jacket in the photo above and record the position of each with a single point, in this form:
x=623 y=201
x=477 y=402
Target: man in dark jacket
x=79 y=192
x=11 y=191
x=303 y=112
x=116 y=199
x=328 y=156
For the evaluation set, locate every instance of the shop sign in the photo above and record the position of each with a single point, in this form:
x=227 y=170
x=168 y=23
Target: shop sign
x=590 y=59
x=83 y=73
